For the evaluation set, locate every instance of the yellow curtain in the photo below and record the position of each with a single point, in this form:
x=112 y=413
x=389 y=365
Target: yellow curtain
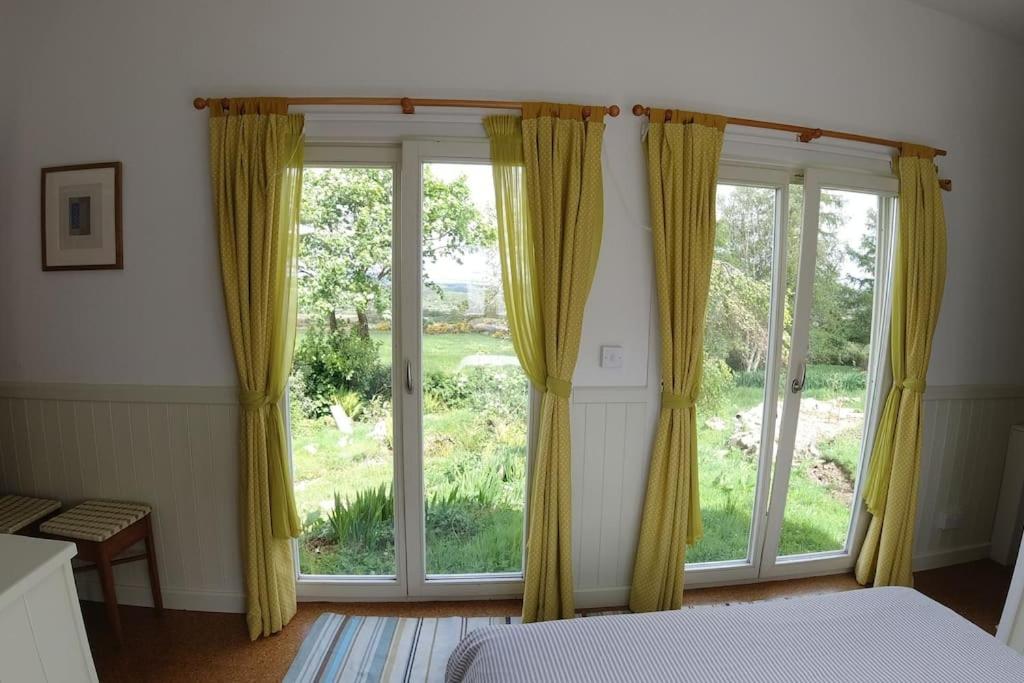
x=550 y=214
x=920 y=274
x=682 y=172
x=256 y=152
x=519 y=278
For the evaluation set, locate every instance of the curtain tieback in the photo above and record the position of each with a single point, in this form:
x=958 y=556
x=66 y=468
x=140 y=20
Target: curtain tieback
x=671 y=400
x=253 y=400
x=915 y=385
x=559 y=387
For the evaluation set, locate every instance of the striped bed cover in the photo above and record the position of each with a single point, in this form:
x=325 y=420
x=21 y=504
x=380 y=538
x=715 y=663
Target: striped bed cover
x=343 y=647
x=875 y=634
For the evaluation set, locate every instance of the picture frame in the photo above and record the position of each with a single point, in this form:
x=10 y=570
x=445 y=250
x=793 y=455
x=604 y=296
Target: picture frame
x=80 y=225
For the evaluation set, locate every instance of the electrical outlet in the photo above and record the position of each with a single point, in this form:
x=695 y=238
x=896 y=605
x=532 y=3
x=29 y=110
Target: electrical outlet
x=951 y=520
x=612 y=357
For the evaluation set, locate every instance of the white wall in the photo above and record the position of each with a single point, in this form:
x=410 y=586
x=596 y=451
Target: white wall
x=114 y=79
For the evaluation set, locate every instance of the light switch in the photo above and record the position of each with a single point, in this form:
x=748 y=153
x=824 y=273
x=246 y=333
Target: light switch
x=611 y=357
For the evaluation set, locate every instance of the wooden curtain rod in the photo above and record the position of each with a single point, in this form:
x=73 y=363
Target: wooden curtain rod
x=407 y=104
x=805 y=134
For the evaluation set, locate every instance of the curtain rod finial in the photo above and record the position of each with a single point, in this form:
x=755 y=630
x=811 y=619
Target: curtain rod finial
x=613 y=110
x=199 y=103
x=639 y=110
x=810 y=134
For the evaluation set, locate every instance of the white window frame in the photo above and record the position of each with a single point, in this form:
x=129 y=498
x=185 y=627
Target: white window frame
x=774 y=467
x=356 y=587
x=767 y=159
x=746 y=569
x=832 y=562
x=410 y=581
x=415 y=153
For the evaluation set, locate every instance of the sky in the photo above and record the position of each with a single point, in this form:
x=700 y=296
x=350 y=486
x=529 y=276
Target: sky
x=855 y=209
x=475 y=266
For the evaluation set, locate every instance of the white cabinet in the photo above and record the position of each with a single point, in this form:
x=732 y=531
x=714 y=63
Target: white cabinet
x=1011 y=625
x=42 y=637
x=1009 y=521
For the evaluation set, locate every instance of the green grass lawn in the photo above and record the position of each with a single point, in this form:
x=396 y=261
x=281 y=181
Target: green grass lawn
x=444 y=352
x=474 y=474
x=817 y=516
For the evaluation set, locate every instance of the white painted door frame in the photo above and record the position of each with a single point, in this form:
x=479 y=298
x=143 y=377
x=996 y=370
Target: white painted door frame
x=745 y=570
x=771 y=565
x=415 y=153
x=775 y=463
x=410 y=581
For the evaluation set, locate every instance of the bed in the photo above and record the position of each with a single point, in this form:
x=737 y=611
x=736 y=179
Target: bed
x=876 y=634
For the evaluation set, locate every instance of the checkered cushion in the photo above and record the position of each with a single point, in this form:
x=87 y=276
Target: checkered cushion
x=17 y=512
x=95 y=520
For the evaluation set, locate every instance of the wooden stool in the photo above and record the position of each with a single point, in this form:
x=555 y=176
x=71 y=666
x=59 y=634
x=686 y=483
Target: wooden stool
x=22 y=514
x=101 y=529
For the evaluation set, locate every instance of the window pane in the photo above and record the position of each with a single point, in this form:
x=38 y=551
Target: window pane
x=730 y=409
x=830 y=426
x=340 y=392
x=475 y=394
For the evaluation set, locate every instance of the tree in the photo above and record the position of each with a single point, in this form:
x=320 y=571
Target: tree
x=737 y=317
x=860 y=293
x=739 y=300
x=745 y=232
x=345 y=243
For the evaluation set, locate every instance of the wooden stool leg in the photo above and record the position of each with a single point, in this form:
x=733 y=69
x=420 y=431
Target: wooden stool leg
x=106 y=572
x=154 y=572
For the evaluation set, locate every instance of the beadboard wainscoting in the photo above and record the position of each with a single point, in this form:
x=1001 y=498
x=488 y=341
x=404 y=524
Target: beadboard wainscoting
x=174 y=447
x=966 y=435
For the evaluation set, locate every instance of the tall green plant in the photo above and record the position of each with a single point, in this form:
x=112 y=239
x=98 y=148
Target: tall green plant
x=366 y=521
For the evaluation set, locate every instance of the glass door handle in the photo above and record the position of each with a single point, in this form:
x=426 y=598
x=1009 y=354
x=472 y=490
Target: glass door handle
x=408 y=377
x=798 y=383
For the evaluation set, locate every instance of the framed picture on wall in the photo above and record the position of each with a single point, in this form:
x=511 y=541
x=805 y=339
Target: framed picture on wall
x=81 y=217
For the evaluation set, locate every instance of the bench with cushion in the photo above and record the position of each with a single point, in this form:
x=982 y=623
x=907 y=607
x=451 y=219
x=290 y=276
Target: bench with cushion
x=23 y=514
x=102 y=529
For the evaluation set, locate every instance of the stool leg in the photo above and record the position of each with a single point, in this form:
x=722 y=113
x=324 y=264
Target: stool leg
x=106 y=572
x=154 y=572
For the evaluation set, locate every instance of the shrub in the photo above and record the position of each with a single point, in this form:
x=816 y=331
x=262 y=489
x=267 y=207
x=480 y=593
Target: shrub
x=328 y=363
x=500 y=390
x=837 y=379
x=460 y=327
x=716 y=382
x=749 y=378
x=368 y=521
x=351 y=402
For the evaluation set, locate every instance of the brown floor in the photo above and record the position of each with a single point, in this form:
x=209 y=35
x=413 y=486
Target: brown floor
x=206 y=646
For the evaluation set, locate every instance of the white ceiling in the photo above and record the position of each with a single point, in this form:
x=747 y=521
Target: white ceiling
x=1002 y=16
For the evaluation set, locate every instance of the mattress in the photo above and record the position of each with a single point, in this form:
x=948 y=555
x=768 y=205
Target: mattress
x=875 y=634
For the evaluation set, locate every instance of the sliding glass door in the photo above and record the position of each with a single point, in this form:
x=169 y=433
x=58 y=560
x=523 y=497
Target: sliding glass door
x=795 y=329
x=836 y=367
x=409 y=413
x=408 y=408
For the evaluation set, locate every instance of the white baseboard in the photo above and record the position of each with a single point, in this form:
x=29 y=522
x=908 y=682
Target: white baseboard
x=139 y=596
x=591 y=598
x=586 y=598
x=945 y=558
